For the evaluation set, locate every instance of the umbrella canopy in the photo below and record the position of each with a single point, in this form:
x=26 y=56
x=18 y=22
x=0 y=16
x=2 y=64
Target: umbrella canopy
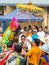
x=21 y=17
x=30 y=7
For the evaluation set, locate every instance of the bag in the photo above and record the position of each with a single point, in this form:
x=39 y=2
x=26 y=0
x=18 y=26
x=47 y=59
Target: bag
x=15 y=60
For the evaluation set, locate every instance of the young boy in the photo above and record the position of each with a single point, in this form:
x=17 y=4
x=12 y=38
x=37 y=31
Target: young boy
x=34 y=53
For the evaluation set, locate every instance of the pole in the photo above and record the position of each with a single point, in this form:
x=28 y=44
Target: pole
x=3 y=26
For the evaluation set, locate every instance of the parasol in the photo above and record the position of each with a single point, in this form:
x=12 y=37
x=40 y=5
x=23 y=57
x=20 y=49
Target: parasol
x=30 y=7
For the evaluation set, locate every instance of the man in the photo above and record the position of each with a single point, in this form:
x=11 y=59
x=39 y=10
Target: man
x=34 y=53
x=46 y=30
x=15 y=58
x=41 y=33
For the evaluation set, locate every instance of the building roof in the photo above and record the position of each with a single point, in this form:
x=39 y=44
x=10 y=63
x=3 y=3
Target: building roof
x=14 y=2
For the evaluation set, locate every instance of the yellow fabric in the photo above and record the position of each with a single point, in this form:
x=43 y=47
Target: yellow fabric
x=5 y=32
x=34 y=55
x=11 y=36
x=29 y=7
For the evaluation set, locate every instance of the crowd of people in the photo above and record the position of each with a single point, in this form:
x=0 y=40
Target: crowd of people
x=28 y=46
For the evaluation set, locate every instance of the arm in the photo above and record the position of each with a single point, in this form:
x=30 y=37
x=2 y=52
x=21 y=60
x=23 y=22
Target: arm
x=30 y=42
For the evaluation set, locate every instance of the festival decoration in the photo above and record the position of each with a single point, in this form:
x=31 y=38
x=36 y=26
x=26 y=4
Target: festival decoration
x=14 y=23
x=9 y=34
x=36 y=11
x=29 y=7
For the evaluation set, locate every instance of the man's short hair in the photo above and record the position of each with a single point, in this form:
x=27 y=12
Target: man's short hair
x=18 y=48
x=37 y=41
x=9 y=44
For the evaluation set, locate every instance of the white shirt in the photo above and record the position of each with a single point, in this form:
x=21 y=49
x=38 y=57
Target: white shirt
x=27 y=42
x=47 y=39
x=41 y=34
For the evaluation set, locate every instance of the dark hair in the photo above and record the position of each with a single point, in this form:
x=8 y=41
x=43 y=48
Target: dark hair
x=37 y=41
x=18 y=48
x=29 y=26
x=41 y=27
x=19 y=27
x=45 y=27
x=25 y=28
x=23 y=36
x=9 y=44
x=36 y=27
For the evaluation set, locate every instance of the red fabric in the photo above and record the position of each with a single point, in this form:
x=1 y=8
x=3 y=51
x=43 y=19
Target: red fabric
x=47 y=64
x=5 y=58
x=13 y=47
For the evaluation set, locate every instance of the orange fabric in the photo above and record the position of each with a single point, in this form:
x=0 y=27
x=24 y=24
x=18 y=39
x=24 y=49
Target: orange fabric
x=30 y=34
x=34 y=55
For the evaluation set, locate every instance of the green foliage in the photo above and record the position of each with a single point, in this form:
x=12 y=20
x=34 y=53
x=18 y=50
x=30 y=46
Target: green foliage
x=1 y=7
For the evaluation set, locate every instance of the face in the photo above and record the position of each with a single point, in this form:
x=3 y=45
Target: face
x=30 y=31
x=23 y=39
x=46 y=29
x=34 y=44
x=35 y=32
x=41 y=43
x=40 y=29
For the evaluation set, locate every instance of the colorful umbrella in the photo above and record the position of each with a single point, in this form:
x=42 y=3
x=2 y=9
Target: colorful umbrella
x=29 y=7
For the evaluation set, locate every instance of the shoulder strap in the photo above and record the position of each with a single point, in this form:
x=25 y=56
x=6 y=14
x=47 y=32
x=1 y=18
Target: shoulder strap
x=15 y=57
x=17 y=60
